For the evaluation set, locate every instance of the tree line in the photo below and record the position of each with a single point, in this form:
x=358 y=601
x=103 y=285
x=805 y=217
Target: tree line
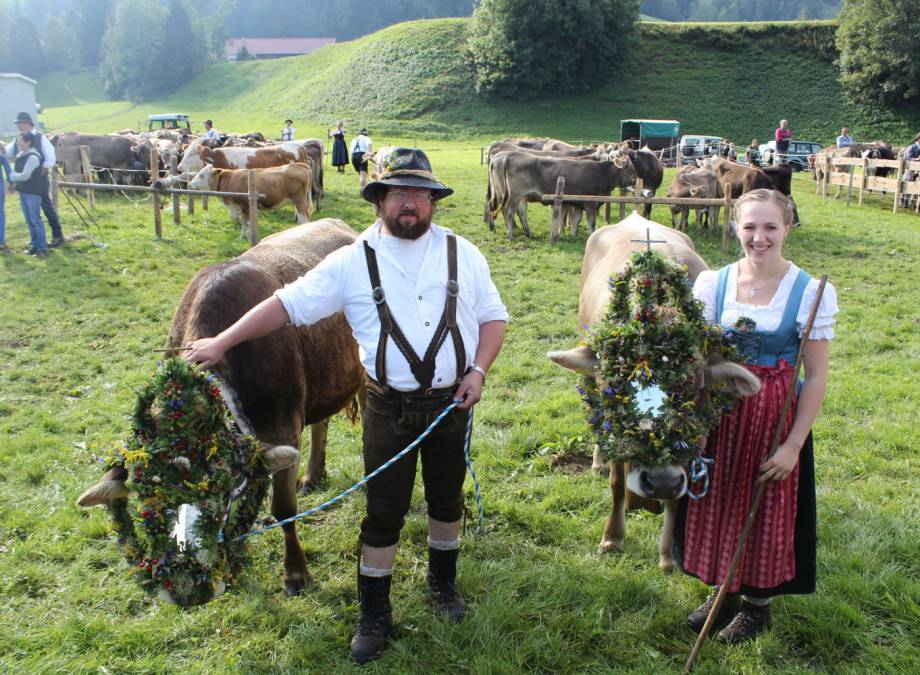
x=740 y=10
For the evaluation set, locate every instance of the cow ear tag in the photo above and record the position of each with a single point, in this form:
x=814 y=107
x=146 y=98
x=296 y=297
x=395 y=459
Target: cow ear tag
x=649 y=399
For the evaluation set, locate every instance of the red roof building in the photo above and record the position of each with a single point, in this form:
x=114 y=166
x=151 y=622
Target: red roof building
x=272 y=48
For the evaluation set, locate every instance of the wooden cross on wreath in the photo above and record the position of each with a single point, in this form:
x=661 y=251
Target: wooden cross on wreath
x=648 y=241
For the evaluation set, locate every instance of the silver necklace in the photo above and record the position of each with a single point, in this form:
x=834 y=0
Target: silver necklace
x=754 y=289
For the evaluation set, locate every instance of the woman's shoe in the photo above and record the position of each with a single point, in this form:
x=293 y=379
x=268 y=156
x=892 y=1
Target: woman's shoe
x=729 y=609
x=750 y=621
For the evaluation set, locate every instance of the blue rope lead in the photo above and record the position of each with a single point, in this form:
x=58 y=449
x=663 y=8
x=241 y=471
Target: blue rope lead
x=380 y=469
x=699 y=470
x=469 y=465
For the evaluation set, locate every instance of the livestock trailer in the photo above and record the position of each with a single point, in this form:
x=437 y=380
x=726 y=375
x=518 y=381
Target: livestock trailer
x=656 y=134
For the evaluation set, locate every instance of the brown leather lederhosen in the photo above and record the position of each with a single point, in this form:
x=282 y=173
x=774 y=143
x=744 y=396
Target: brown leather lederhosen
x=422 y=368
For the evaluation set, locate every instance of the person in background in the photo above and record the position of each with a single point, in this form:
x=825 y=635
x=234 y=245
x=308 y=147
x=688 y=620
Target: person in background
x=912 y=154
x=287 y=134
x=31 y=183
x=5 y=171
x=210 y=131
x=752 y=154
x=726 y=150
x=783 y=139
x=339 y=149
x=361 y=146
x=844 y=140
x=26 y=125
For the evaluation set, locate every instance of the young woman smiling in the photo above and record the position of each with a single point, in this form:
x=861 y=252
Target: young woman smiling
x=763 y=300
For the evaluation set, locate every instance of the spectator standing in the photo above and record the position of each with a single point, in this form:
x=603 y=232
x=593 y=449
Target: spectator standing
x=726 y=150
x=783 y=139
x=43 y=146
x=5 y=171
x=210 y=131
x=287 y=134
x=31 y=184
x=361 y=146
x=912 y=154
x=339 y=149
x=752 y=154
x=844 y=140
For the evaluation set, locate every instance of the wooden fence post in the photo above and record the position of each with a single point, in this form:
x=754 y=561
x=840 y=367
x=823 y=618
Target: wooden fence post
x=54 y=186
x=157 y=223
x=556 y=223
x=622 y=205
x=87 y=175
x=204 y=202
x=827 y=176
x=253 y=207
x=638 y=193
x=607 y=213
x=850 y=185
x=191 y=204
x=897 y=188
x=154 y=165
x=177 y=206
x=727 y=216
x=863 y=179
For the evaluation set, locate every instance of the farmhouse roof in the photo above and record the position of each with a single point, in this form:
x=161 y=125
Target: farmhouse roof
x=20 y=76
x=256 y=46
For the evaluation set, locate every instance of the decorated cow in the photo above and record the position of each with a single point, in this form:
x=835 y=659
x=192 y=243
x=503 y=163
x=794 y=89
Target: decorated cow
x=657 y=375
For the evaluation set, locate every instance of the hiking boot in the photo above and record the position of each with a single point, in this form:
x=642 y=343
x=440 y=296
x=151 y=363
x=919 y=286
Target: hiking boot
x=729 y=608
x=442 y=587
x=376 y=624
x=750 y=621
x=56 y=241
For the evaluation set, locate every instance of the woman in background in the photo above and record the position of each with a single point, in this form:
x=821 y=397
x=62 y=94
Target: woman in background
x=339 y=148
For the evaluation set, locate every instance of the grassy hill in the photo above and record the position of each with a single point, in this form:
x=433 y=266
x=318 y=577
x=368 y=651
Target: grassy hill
x=735 y=80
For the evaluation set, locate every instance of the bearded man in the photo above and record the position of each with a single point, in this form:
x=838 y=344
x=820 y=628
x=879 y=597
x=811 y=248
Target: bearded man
x=408 y=288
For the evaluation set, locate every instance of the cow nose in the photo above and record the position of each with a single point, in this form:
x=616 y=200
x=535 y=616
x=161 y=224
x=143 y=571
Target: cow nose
x=658 y=484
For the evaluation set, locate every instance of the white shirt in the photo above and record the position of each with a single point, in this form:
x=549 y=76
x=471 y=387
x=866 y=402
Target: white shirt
x=360 y=143
x=768 y=317
x=287 y=134
x=341 y=283
x=212 y=133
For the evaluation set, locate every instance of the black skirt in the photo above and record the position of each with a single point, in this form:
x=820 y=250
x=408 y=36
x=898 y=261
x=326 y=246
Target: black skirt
x=339 y=151
x=804 y=540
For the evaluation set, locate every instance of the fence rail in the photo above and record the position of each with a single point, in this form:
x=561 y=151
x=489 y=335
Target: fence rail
x=855 y=174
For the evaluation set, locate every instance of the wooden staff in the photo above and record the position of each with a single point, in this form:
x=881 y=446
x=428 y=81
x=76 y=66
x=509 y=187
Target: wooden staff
x=761 y=489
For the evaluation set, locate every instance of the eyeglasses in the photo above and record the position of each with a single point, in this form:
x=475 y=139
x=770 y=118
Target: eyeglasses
x=403 y=196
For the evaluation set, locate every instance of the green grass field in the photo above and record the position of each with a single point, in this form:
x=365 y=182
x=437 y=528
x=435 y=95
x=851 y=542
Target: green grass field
x=411 y=79
x=78 y=330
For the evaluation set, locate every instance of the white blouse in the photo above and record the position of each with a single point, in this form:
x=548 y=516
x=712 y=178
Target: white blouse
x=768 y=317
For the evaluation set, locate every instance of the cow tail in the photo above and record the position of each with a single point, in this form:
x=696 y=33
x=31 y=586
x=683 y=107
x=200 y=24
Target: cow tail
x=354 y=409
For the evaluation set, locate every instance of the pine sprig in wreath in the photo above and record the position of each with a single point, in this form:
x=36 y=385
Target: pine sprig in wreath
x=651 y=344
x=185 y=448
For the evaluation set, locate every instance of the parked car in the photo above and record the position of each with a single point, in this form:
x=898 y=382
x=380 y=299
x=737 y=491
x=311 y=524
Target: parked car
x=694 y=147
x=176 y=121
x=797 y=155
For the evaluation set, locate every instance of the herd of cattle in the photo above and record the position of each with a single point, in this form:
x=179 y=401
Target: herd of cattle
x=526 y=170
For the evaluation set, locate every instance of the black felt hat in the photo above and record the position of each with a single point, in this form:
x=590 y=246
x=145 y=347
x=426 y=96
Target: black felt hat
x=24 y=117
x=406 y=167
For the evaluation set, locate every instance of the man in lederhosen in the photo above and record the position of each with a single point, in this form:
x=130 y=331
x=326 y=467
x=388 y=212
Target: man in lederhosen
x=429 y=323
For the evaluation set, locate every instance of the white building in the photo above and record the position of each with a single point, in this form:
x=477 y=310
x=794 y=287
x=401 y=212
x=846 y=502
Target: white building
x=17 y=94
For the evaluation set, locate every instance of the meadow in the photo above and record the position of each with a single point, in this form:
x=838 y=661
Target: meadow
x=78 y=330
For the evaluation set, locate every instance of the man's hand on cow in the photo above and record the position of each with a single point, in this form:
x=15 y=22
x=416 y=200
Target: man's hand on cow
x=470 y=388
x=206 y=351
x=781 y=464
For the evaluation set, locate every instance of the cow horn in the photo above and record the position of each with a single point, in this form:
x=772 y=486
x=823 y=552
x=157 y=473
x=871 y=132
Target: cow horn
x=280 y=457
x=619 y=162
x=103 y=493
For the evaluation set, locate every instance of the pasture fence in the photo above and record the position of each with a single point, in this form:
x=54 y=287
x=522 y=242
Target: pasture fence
x=85 y=181
x=860 y=174
x=558 y=198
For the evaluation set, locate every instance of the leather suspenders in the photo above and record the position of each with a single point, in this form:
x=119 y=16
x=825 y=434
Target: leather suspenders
x=422 y=368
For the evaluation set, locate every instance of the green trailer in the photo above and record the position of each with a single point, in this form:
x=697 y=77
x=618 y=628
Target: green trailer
x=656 y=134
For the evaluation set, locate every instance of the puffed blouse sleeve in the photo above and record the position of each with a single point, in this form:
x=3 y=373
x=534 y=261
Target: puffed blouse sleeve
x=704 y=290
x=823 y=328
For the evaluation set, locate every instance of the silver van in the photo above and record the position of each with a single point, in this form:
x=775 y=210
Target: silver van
x=694 y=147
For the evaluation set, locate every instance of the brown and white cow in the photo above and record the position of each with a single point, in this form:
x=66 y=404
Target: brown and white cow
x=197 y=155
x=607 y=253
x=293 y=378
x=276 y=185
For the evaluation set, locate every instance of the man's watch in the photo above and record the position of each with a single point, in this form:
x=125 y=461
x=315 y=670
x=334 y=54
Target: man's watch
x=478 y=369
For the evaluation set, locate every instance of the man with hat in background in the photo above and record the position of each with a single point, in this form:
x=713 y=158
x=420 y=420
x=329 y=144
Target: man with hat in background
x=429 y=322
x=361 y=146
x=26 y=126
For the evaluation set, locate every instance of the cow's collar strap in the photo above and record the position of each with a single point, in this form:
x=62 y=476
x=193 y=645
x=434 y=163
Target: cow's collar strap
x=220 y=177
x=422 y=368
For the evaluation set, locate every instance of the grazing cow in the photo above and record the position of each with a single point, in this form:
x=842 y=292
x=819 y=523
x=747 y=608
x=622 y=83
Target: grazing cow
x=742 y=178
x=607 y=253
x=881 y=150
x=649 y=169
x=109 y=155
x=293 y=378
x=276 y=185
x=518 y=178
x=698 y=183
x=781 y=177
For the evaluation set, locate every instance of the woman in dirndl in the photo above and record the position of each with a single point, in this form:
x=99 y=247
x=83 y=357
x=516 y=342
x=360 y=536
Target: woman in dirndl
x=339 y=148
x=763 y=301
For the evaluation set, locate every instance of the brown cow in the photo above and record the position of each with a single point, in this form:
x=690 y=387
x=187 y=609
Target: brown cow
x=698 y=183
x=283 y=382
x=275 y=185
x=196 y=156
x=607 y=252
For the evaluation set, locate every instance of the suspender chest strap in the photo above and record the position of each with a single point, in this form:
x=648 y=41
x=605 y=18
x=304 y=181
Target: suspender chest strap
x=422 y=368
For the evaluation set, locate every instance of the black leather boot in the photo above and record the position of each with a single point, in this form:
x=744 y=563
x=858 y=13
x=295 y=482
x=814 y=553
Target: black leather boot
x=376 y=624
x=729 y=608
x=750 y=621
x=442 y=587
